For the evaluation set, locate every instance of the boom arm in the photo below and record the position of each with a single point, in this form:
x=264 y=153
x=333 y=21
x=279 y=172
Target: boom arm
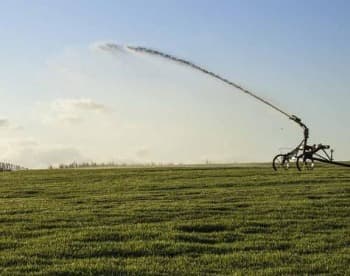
x=301 y=124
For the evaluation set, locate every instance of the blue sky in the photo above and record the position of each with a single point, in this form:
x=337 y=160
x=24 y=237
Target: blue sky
x=295 y=53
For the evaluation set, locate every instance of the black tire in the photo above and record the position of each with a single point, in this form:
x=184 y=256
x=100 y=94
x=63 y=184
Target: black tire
x=280 y=162
x=305 y=164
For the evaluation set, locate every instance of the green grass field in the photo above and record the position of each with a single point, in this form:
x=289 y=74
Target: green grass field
x=177 y=221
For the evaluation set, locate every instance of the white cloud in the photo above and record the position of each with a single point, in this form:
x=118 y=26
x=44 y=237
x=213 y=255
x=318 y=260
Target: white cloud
x=71 y=111
x=69 y=105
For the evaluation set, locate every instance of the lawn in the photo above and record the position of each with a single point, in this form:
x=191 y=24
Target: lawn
x=177 y=221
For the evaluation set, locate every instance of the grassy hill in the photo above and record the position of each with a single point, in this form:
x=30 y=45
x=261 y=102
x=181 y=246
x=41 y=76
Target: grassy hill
x=179 y=221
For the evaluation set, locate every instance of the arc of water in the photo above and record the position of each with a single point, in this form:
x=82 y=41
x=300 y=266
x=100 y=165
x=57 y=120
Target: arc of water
x=196 y=67
x=138 y=49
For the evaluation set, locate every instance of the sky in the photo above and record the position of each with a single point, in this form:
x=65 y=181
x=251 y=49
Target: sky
x=64 y=100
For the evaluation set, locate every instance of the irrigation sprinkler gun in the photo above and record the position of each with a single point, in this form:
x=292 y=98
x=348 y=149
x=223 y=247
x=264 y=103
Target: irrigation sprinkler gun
x=304 y=154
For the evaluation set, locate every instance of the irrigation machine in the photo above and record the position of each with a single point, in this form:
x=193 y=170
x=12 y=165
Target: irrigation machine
x=305 y=155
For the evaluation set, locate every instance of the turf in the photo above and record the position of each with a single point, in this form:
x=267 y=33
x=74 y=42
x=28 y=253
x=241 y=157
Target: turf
x=175 y=221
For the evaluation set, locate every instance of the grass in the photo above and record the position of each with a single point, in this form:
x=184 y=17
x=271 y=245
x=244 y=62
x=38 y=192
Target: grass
x=178 y=221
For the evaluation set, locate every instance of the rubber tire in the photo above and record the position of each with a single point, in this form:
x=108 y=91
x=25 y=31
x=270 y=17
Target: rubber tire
x=300 y=163
x=274 y=165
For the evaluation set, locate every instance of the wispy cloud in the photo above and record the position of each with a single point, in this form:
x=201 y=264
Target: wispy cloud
x=68 y=105
x=72 y=111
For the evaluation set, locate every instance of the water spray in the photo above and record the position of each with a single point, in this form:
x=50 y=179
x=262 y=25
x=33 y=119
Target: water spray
x=304 y=154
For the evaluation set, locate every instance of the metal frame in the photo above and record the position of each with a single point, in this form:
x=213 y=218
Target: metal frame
x=305 y=154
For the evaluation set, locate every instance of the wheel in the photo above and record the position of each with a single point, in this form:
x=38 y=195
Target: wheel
x=280 y=162
x=305 y=164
